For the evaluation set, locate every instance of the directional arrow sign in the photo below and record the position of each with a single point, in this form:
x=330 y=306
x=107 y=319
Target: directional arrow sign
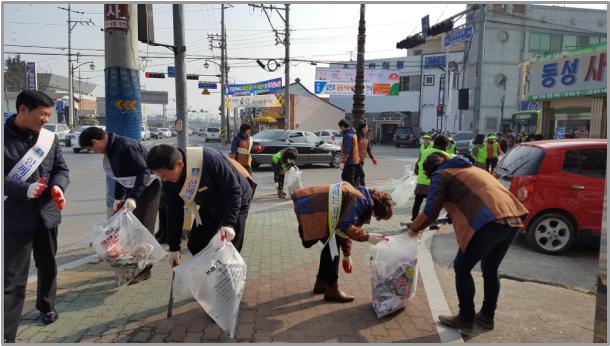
x=459 y=35
x=125 y=105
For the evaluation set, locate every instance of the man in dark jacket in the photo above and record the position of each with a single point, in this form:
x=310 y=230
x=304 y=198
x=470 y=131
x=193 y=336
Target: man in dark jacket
x=212 y=191
x=349 y=152
x=485 y=217
x=32 y=162
x=136 y=189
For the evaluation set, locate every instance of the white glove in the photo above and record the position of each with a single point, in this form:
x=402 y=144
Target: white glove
x=174 y=258
x=375 y=238
x=36 y=189
x=227 y=233
x=116 y=205
x=129 y=205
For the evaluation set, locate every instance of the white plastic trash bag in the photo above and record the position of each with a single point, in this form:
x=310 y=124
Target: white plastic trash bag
x=393 y=273
x=403 y=187
x=122 y=239
x=292 y=181
x=216 y=277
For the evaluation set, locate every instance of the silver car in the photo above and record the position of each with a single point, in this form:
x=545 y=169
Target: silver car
x=60 y=130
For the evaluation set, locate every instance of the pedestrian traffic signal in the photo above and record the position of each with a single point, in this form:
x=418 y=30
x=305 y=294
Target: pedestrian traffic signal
x=441 y=27
x=192 y=76
x=155 y=75
x=411 y=42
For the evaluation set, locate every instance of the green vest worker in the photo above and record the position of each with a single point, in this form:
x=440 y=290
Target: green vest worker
x=423 y=182
x=451 y=148
x=426 y=143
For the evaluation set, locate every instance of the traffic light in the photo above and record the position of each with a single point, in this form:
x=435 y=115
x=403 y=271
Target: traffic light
x=411 y=42
x=155 y=75
x=192 y=76
x=441 y=27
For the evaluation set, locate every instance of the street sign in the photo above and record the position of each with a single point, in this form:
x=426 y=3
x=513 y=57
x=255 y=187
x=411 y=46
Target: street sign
x=171 y=72
x=425 y=25
x=456 y=36
x=116 y=17
x=30 y=76
x=207 y=85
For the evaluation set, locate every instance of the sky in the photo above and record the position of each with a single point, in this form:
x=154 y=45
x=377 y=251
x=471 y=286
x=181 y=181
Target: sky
x=320 y=32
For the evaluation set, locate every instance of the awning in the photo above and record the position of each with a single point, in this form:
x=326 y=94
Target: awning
x=265 y=119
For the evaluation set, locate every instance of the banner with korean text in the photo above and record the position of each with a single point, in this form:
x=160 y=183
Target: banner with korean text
x=337 y=81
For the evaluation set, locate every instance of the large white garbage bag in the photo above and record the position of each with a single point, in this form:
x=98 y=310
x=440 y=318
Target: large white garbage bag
x=216 y=277
x=292 y=181
x=393 y=266
x=403 y=187
x=122 y=239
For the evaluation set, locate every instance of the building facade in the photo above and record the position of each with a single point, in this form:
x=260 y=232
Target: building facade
x=506 y=35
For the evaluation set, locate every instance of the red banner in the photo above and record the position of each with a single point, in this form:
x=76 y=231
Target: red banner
x=381 y=89
x=116 y=17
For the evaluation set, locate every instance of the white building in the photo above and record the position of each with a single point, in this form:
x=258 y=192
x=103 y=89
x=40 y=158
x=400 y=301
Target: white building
x=419 y=95
x=512 y=34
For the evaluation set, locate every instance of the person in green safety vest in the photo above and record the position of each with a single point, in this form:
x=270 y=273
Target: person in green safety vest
x=426 y=137
x=477 y=151
x=281 y=162
x=451 y=148
x=491 y=150
x=423 y=182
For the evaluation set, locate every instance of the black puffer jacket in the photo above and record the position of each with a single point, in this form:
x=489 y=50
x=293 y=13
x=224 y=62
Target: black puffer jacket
x=20 y=213
x=127 y=158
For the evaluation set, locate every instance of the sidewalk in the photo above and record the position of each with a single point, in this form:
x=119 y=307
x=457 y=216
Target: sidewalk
x=277 y=306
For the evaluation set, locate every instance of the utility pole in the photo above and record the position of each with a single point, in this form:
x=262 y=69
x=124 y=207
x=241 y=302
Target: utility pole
x=480 y=54
x=71 y=25
x=287 y=69
x=122 y=75
x=179 y=61
x=358 y=108
x=223 y=116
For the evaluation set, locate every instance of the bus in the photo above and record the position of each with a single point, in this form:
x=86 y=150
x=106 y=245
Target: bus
x=527 y=122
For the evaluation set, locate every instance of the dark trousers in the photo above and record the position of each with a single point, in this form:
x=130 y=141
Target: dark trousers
x=278 y=175
x=147 y=206
x=359 y=175
x=161 y=234
x=488 y=245
x=419 y=199
x=200 y=236
x=328 y=271
x=18 y=247
x=349 y=174
x=491 y=163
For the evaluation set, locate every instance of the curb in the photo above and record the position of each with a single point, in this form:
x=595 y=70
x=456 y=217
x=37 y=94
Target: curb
x=434 y=292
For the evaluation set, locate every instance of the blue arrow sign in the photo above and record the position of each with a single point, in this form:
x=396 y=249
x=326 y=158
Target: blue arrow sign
x=207 y=85
x=171 y=72
x=459 y=35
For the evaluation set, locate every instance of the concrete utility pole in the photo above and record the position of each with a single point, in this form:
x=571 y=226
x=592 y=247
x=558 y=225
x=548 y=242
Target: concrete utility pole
x=287 y=69
x=123 y=96
x=476 y=119
x=179 y=61
x=223 y=116
x=358 y=108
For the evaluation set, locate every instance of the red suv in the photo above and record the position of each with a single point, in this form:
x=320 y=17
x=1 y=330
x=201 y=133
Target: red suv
x=561 y=183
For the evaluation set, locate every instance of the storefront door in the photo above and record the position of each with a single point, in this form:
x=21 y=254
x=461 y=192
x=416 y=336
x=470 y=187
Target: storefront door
x=575 y=123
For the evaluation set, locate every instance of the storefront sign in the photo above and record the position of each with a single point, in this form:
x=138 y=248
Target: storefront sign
x=254 y=101
x=579 y=72
x=271 y=85
x=30 y=76
x=435 y=61
x=372 y=76
x=560 y=133
x=116 y=17
x=459 y=35
x=347 y=88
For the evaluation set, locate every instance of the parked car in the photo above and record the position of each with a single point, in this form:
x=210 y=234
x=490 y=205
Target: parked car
x=166 y=133
x=60 y=130
x=463 y=140
x=72 y=138
x=405 y=136
x=145 y=133
x=330 y=136
x=155 y=133
x=201 y=132
x=561 y=183
x=212 y=134
x=311 y=149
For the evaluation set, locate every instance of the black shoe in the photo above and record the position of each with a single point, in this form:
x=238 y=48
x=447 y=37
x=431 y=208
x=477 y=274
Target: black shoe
x=9 y=340
x=49 y=317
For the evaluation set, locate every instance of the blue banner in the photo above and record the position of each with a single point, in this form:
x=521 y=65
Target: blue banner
x=435 y=61
x=271 y=85
x=30 y=76
x=171 y=72
x=459 y=35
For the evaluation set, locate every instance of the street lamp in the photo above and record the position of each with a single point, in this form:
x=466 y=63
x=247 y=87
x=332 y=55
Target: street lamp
x=92 y=67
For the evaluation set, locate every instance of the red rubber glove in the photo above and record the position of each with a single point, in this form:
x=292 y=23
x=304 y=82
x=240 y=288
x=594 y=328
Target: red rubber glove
x=347 y=264
x=374 y=162
x=36 y=189
x=58 y=197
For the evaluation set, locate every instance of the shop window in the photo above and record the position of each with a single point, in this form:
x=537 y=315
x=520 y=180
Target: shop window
x=429 y=80
x=491 y=123
x=518 y=8
x=534 y=41
x=583 y=41
x=569 y=42
x=410 y=83
x=556 y=40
